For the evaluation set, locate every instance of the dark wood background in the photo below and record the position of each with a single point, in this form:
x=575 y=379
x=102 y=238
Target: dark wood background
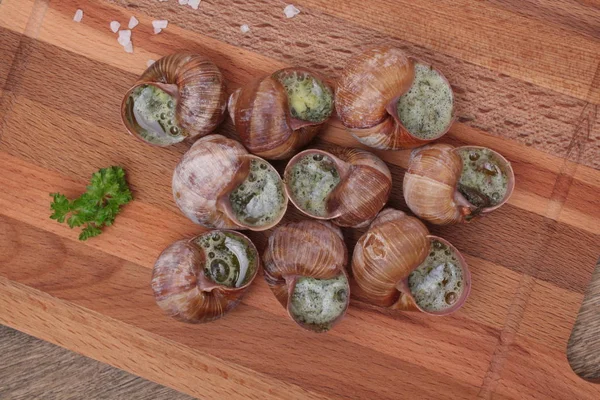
x=526 y=75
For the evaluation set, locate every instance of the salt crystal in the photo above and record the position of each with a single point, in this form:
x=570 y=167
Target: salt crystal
x=290 y=11
x=183 y=2
x=124 y=37
x=129 y=47
x=160 y=23
x=133 y=22
x=157 y=31
x=194 y=4
x=78 y=15
x=245 y=28
x=114 y=26
x=149 y=63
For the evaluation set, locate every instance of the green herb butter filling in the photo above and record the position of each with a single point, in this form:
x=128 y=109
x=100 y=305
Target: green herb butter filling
x=230 y=261
x=311 y=180
x=426 y=109
x=260 y=199
x=152 y=111
x=308 y=98
x=437 y=283
x=319 y=302
x=482 y=181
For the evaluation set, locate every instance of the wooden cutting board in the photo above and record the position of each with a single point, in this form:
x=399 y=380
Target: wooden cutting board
x=526 y=75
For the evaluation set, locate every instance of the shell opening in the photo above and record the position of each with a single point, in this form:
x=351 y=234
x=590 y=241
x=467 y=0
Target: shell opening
x=310 y=181
x=309 y=99
x=426 y=109
x=259 y=200
x=437 y=284
x=483 y=181
x=230 y=261
x=150 y=111
x=319 y=302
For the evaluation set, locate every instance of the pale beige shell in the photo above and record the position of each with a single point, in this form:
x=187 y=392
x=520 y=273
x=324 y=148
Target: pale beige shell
x=263 y=121
x=184 y=292
x=307 y=248
x=430 y=185
x=210 y=170
x=394 y=246
x=198 y=87
x=364 y=188
x=367 y=95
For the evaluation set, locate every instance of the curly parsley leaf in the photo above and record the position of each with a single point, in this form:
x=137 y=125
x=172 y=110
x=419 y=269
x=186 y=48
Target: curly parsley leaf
x=97 y=207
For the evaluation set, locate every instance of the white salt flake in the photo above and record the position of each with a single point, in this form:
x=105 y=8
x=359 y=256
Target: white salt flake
x=290 y=11
x=114 y=26
x=128 y=47
x=149 y=63
x=78 y=15
x=124 y=37
x=133 y=22
x=159 y=25
x=194 y=4
x=244 y=28
x=183 y=2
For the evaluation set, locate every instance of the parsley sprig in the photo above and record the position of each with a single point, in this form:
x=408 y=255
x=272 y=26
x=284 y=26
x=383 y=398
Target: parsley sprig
x=97 y=207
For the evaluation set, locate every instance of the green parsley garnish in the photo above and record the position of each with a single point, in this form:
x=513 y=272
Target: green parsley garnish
x=97 y=207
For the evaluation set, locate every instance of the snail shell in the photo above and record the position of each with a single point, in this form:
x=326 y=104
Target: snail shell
x=304 y=265
x=376 y=84
x=277 y=115
x=201 y=279
x=179 y=96
x=432 y=184
x=347 y=186
x=386 y=256
x=217 y=184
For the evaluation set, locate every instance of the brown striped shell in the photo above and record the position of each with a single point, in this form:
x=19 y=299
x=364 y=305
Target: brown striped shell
x=367 y=95
x=198 y=88
x=394 y=246
x=205 y=177
x=364 y=187
x=430 y=185
x=309 y=248
x=261 y=114
x=185 y=292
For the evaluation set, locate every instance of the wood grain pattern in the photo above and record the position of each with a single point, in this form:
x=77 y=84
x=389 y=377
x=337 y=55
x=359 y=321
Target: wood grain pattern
x=527 y=85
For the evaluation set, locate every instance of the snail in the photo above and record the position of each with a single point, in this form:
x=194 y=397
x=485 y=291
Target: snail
x=446 y=185
x=277 y=115
x=217 y=184
x=203 y=278
x=348 y=186
x=398 y=265
x=305 y=266
x=390 y=101
x=180 y=96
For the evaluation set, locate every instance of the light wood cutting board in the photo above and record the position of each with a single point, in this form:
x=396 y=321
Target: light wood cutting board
x=526 y=75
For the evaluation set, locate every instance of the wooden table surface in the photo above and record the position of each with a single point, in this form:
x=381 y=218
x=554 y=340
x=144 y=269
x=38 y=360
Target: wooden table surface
x=527 y=80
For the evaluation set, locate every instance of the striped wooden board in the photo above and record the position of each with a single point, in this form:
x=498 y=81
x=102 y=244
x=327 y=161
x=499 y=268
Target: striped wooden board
x=526 y=75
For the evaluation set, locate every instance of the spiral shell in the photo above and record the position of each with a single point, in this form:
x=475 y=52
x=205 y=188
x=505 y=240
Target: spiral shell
x=359 y=185
x=219 y=185
x=431 y=184
x=387 y=255
x=179 y=96
x=304 y=265
x=273 y=116
x=368 y=93
x=185 y=279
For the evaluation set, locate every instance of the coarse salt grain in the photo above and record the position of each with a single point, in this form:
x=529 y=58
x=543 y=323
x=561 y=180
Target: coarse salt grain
x=244 y=28
x=159 y=25
x=124 y=37
x=133 y=22
x=194 y=4
x=78 y=15
x=183 y=2
x=114 y=26
x=149 y=63
x=290 y=11
x=128 y=47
